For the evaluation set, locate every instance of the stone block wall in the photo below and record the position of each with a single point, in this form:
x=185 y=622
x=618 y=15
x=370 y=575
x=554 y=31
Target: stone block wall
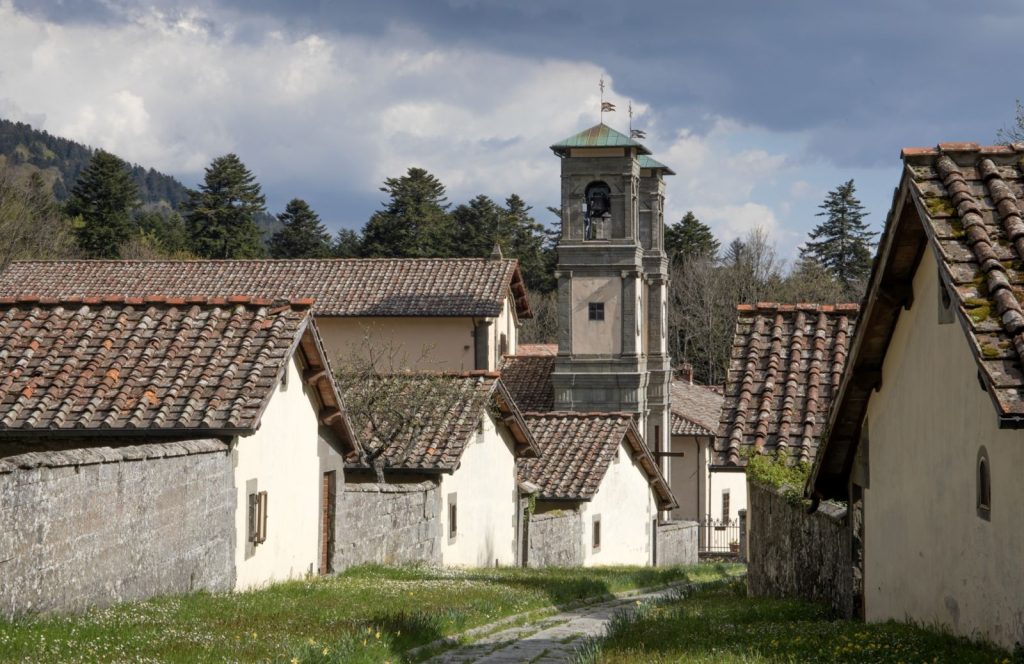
x=77 y=536
x=554 y=538
x=795 y=554
x=676 y=543
x=389 y=524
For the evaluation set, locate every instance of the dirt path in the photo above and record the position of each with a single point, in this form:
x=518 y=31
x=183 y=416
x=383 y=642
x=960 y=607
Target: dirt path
x=551 y=639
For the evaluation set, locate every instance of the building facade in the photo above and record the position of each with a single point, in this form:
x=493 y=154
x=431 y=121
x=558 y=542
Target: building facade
x=612 y=283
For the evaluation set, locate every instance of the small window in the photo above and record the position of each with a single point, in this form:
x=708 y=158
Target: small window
x=480 y=428
x=984 y=481
x=595 y=311
x=258 y=517
x=596 y=533
x=945 y=303
x=725 y=506
x=453 y=517
x=503 y=344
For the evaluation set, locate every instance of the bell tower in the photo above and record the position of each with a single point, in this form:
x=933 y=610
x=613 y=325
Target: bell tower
x=612 y=282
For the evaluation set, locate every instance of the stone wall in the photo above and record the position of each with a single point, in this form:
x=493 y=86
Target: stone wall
x=554 y=538
x=795 y=554
x=388 y=524
x=76 y=536
x=676 y=543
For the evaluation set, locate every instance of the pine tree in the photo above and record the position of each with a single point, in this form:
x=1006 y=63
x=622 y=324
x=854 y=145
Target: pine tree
x=303 y=235
x=690 y=238
x=842 y=244
x=221 y=214
x=528 y=245
x=103 y=199
x=414 y=221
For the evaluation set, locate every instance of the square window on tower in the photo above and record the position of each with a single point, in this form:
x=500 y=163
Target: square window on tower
x=595 y=311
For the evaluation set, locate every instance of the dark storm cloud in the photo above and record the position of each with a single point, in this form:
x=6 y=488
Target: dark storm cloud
x=863 y=77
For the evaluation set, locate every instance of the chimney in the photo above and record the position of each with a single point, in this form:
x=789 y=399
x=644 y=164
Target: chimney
x=685 y=373
x=496 y=252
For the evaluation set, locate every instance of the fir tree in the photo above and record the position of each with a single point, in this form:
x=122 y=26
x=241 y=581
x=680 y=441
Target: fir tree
x=221 y=214
x=303 y=235
x=690 y=238
x=842 y=244
x=347 y=244
x=528 y=245
x=102 y=200
x=414 y=221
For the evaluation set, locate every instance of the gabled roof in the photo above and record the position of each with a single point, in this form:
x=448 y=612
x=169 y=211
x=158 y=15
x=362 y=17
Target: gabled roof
x=121 y=366
x=576 y=450
x=696 y=409
x=341 y=287
x=598 y=136
x=528 y=378
x=648 y=162
x=444 y=411
x=962 y=202
x=785 y=367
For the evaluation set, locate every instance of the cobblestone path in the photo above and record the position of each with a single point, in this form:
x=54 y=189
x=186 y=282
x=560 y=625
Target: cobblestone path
x=551 y=639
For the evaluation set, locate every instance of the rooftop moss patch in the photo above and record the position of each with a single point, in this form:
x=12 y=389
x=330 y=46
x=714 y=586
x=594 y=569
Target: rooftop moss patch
x=979 y=309
x=939 y=207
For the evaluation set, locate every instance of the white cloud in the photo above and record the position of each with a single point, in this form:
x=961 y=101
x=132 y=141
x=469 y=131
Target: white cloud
x=340 y=113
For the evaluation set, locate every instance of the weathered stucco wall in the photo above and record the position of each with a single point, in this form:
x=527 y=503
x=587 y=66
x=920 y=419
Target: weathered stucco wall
x=437 y=344
x=74 y=537
x=487 y=497
x=554 y=536
x=677 y=543
x=928 y=554
x=388 y=524
x=687 y=477
x=625 y=504
x=596 y=337
x=795 y=554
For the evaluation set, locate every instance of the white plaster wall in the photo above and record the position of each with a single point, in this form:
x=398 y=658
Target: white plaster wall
x=736 y=484
x=485 y=486
x=685 y=477
x=591 y=337
x=282 y=457
x=505 y=324
x=928 y=555
x=627 y=508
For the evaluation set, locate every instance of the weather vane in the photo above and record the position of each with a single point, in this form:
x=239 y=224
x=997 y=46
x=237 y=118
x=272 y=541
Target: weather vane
x=606 y=106
x=634 y=133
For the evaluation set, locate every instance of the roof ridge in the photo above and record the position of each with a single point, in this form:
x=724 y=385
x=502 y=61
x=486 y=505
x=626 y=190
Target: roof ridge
x=576 y=413
x=785 y=307
x=965 y=146
x=124 y=261
x=296 y=303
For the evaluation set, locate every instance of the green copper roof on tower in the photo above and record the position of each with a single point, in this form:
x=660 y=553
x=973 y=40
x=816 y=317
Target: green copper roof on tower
x=653 y=164
x=598 y=136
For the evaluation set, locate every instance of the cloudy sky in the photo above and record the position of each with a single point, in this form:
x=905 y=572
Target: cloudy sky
x=759 y=109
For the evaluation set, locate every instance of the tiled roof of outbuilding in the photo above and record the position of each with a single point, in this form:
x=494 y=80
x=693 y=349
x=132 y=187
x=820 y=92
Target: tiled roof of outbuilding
x=965 y=203
x=170 y=366
x=56 y=453
x=696 y=409
x=786 y=364
x=576 y=450
x=528 y=378
x=441 y=413
x=341 y=287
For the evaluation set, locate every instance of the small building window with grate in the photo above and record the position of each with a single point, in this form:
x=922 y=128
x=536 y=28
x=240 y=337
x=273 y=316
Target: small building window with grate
x=725 y=506
x=984 y=483
x=596 y=533
x=595 y=311
x=453 y=517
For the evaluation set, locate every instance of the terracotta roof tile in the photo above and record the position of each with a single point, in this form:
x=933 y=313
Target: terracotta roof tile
x=576 y=450
x=971 y=203
x=447 y=414
x=528 y=379
x=114 y=366
x=341 y=287
x=786 y=365
x=696 y=409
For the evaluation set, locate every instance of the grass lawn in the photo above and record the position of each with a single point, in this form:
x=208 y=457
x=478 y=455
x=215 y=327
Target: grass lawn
x=721 y=625
x=368 y=614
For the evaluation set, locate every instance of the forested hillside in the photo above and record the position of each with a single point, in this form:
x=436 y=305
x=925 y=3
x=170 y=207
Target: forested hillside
x=61 y=161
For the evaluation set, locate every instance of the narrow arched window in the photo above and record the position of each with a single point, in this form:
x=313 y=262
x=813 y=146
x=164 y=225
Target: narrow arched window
x=984 y=483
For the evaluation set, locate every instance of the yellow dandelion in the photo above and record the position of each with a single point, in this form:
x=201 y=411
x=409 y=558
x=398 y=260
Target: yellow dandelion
x=295 y=660
x=326 y=650
x=378 y=636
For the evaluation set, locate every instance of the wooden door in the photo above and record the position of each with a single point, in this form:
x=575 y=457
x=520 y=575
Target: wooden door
x=327 y=522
